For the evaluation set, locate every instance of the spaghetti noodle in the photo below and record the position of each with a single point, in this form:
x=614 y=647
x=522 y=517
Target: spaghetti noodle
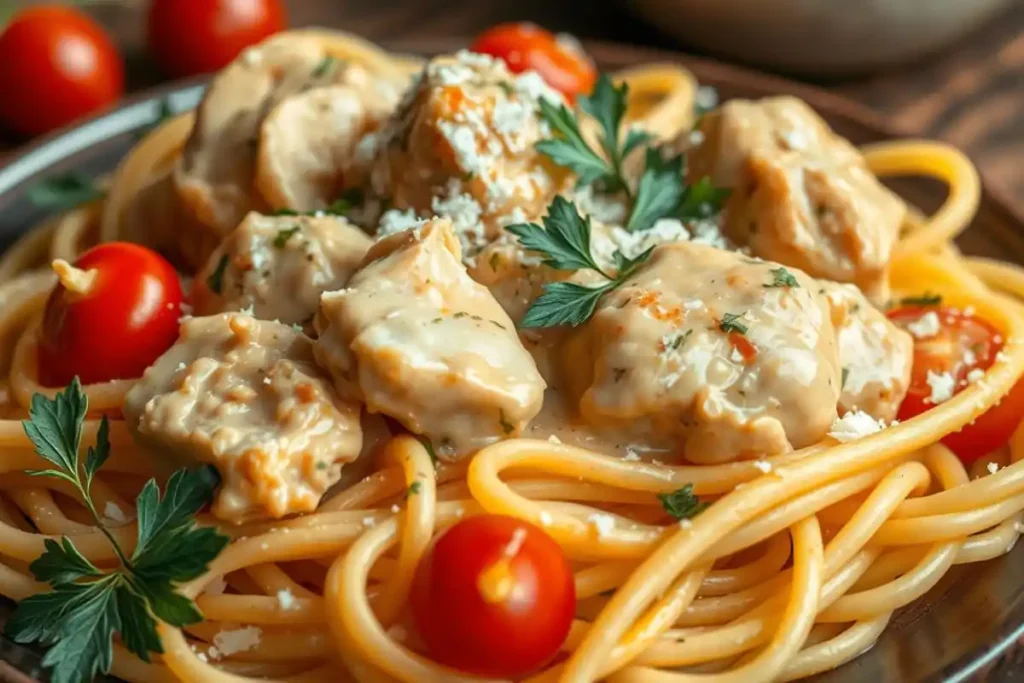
x=790 y=572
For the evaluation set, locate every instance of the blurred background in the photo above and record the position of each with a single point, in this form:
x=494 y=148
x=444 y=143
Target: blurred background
x=952 y=69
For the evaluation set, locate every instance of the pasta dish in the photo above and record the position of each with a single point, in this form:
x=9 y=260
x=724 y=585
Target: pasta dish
x=488 y=367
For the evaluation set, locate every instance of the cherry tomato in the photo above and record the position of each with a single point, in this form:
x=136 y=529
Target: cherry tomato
x=494 y=597
x=124 y=319
x=190 y=37
x=56 y=66
x=963 y=343
x=522 y=46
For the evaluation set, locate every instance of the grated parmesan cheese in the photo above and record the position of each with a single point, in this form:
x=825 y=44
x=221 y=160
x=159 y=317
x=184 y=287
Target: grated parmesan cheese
x=763 y=465
x=854 y=425
x=396 y=220
x=286 y=600
x=227 y=643
x=631 y=455
x=942 y=385
x=992 y=467
x=975 y=375
x=926 y=326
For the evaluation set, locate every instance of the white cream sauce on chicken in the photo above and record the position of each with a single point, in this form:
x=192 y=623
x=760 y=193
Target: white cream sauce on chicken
x=275 y=130
x=414 y=338
x=462 y=144
x=277 y=267
x=699 y=349
x=246 y=396
x=876 y=355
x=801 y=194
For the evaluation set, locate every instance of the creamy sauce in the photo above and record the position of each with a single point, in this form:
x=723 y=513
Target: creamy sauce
x=276 y=267
x=246 y=396
x=801 y=194
x=414 y=338
x=283 y=118
x=463 y=145
x=655 y=358
x=876 y=355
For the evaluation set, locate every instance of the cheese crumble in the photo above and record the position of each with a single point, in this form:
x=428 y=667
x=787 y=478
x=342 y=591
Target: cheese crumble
x=942 y=385
x=925 y=327
x=854 y=425
x=227 y=643
x=286 y=600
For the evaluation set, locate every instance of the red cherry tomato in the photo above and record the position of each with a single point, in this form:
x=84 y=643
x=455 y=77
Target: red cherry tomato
x=190 y=37
x=56 y=66
x=963 y=343
x=125 y=319
x=522 y=46
x=494 y=597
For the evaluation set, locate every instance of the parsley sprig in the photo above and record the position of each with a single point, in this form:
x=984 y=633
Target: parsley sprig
x=64 y=191
x=87 y=605
x=682 y=503
x=660 y=191
x=564 y=242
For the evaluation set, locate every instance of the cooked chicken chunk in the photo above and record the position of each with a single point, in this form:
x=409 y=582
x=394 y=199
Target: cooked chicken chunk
x=462 y=145
x=704 y=349
x=414 y=338
x=801 y=195
x=308 y=139
x=875 y=354
x=274 y=128
x=278 y=266
x=246 y=396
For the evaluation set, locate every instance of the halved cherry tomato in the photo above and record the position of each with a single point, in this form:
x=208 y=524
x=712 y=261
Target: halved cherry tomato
x=56 y=66
x=190 y=37
x=123 y=317
x=963 y=343
x=494 y=597
x=522 y=46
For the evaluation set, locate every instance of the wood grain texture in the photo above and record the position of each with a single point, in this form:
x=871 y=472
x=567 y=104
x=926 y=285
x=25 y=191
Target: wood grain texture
x=971 y=94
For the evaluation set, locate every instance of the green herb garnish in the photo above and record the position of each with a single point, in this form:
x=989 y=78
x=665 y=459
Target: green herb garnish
x=682 y=503
x=660 y=192
x=88 y=605
x=341 y=206
x=64 y=191
x=414 y=488
x=564 y=241
x=927 y=299
x=216 y=279
x=283 y=235
x=846 y=373
x=429 y=448
x=782 y=278
x=700 y=200
x=325 y=66
x=731 y=323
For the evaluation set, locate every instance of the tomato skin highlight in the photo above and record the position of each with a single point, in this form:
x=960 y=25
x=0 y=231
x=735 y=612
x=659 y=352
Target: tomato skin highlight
x=115 y=330
x=963 y=343
x=189 y=37
x=56 y=66
x=467 y=628
x=523 y=46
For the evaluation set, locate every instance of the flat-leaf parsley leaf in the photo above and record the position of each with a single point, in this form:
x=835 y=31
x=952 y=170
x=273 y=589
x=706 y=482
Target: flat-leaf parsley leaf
x=564 y=241
x=87 y=605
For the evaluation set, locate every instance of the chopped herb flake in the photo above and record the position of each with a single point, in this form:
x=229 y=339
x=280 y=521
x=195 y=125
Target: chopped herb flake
x=730 y=323
x=682 y=503
x=782 y=278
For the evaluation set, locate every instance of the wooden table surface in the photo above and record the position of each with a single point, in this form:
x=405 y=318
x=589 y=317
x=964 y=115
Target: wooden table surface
x=971 y=94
